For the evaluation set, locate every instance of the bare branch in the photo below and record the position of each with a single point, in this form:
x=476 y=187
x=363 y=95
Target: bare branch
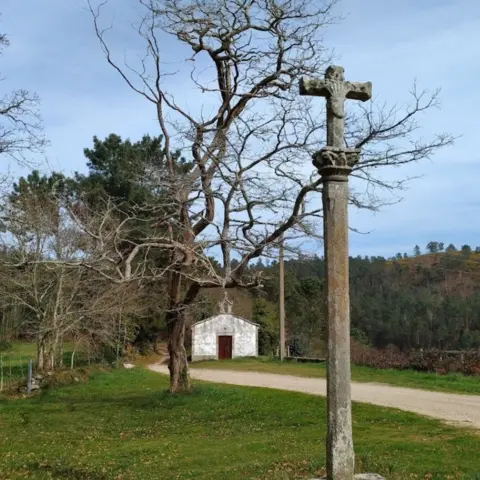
x=21 y=129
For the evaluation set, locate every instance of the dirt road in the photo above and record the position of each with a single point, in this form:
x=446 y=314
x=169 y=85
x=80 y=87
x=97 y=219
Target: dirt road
x=455 y=409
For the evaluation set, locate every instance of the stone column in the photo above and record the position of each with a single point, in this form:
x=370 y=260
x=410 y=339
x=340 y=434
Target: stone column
x=334 y=165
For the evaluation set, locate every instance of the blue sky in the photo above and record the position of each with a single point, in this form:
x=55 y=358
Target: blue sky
x=55 y=53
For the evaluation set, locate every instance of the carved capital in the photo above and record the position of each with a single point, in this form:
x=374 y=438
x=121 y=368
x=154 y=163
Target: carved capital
x=334 y=163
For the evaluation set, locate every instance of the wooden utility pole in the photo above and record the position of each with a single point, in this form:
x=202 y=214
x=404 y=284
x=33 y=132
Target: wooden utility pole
x=281 y=307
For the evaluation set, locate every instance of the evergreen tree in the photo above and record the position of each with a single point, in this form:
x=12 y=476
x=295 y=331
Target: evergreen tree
x=130 y=174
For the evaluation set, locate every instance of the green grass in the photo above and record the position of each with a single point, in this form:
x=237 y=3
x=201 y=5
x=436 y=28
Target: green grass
x=124 y=425
x=15 y=361
x=453 y=383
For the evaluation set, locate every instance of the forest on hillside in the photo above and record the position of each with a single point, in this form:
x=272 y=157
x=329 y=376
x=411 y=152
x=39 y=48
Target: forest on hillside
x=429 y=301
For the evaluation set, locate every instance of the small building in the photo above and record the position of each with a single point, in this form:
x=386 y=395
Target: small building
x=224 y=336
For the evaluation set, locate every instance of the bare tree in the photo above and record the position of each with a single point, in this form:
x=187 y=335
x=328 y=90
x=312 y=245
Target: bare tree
x=21 y=129
x=251 y=181
x=57 y=302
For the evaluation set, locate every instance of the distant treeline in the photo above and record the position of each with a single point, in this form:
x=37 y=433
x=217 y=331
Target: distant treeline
x=429 y=301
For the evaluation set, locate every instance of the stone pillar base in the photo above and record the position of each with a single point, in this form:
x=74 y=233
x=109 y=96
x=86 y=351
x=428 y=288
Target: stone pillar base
x=360 y=476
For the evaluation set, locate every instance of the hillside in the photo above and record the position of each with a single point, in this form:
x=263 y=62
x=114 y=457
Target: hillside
x=424 y=301
x=452 y=273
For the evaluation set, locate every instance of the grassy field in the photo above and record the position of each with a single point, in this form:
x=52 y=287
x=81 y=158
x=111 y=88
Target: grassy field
x=454 y=383
x=20 y=352
x=123 y=425
x=13 y=363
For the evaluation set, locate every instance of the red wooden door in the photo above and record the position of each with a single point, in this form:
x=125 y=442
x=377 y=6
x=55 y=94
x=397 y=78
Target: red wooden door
x=224 y=347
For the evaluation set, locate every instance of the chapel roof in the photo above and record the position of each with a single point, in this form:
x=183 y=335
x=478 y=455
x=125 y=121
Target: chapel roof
x=213 y=317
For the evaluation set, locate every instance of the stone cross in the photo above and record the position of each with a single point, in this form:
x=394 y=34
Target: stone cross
x=225 y=305
x=336 y=90
x=334 y=163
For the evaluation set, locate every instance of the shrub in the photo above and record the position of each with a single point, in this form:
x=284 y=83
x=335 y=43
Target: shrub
x=376 y=358
x=438 y=361
x=5 y=345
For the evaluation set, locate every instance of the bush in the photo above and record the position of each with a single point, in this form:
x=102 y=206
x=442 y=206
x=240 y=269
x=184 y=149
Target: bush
x=442 y=362
x=373 y=357
x=297 y=347
x=57 y=379
x=263 y=313
x=69 y=377
x=465 y=362
x=360 y=336
x=5 y=346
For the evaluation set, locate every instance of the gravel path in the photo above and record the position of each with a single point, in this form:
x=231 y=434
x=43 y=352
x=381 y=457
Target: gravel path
x=461 y=410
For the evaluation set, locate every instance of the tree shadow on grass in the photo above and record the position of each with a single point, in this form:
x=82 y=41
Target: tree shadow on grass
x=70 y=473
x=45 y=404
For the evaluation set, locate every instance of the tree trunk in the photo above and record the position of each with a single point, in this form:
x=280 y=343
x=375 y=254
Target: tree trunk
x=53 y=359
x=176 y=319
x=60 y=353
x=178 y=364
x=40 y=353
x=72 y=359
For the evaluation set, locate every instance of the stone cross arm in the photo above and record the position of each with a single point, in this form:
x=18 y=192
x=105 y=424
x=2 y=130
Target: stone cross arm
x=323 y=88
x=336 y=90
